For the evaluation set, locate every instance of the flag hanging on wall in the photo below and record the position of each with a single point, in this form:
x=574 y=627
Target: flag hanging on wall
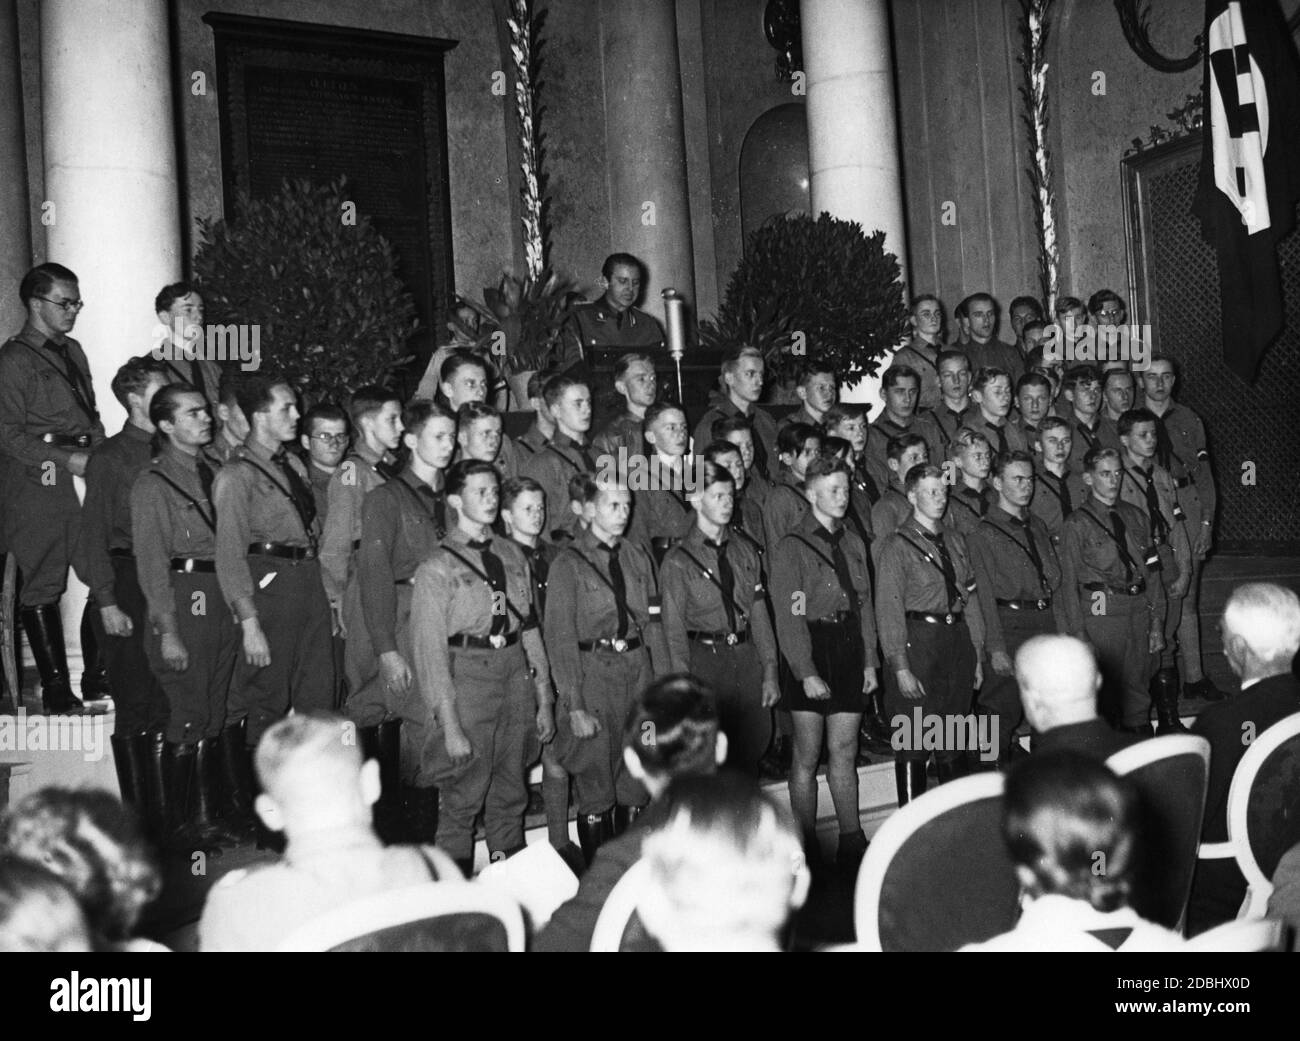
x=1250 y=168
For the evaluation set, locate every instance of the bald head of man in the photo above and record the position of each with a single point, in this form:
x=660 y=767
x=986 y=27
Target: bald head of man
x=1058 y=680
x=1261 y=630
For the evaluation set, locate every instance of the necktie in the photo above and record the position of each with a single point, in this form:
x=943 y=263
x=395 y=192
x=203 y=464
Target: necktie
x=496 y=573
x=1002 y=438
x=1032 y=547
x=303 y=500
x=841 y=562
x=205 y=478
x=617 y=580
x=1159 y=527
x=540 y=575
x=588 y=463
x=1066 y=505
x=386 y=470
x=438 y=502
x=865 y=482
x=1164 y=445
x=760 y=452
x=197 y=380
x=1121 y=541
x=945 y=561
x=727 y=580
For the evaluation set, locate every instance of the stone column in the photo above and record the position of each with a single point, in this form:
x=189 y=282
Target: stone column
x=110 y=173
x=645 y=145
x=15 y=206
x=853 y=150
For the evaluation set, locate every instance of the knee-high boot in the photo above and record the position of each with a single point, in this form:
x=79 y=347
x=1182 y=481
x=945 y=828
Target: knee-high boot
x=594 y=829
x=44 y=629
x=909 y=776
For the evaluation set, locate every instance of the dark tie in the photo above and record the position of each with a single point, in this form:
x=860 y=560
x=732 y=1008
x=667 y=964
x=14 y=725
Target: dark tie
x=841 y=563
x=1002 y=438
x=727 y=580
x=1066 y=505
x=299 y=491
x=620 y=588
x=438 y=502
x=1121 y=540
x=205 y=478
x=865 y=482
x=80 y=388
x=1032 y=547
x=387 y=470
x=760 y=452
x=1159 y=527
x=1164 y=446
x=496 y=573
x=588 y=463
x=540 y=574
x=945 y=561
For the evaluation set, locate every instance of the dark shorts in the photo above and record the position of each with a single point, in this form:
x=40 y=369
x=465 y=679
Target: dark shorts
x=839 y=659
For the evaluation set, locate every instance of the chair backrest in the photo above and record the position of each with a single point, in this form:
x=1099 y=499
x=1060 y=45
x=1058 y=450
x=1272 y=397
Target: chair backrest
x=937 y=874
x=1264 y=803
x=1172 y=773
x=432 y=916
x=1243 y=934
x=618 y=928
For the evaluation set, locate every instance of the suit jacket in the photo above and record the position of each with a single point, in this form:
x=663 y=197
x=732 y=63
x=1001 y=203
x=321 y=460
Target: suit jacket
x=1094 y=738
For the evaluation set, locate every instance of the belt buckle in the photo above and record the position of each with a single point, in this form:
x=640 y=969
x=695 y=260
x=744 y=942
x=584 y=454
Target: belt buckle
x=497 y=640
x=1041 y=604
x=732 y=639
x=947 y=619
x=619 y=644
x=1133 y=590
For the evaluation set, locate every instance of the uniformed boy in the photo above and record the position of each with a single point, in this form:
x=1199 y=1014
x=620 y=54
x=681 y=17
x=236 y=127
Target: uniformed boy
x=818 y=389
x=739 y=431
x=480 y=435
x=661 y=516
x=1033 y=405
x=568 y=452
x=534 y=439
x=325 y=439
x=636 y=382
x=746 y=516
x=604 y=646
x=930 y=617
x=715 y=619
x=970 y=498
x=798 y=446
x=464 y=378
x=1116 y=398
x=898 y=390
x=1081 y=391
x=1109 y=591
x=991 y=392
x=481 y=670
x=179 y=309
x=231 y=423
x=954 y=407
x=1058 y=489
x=1019 y=578
x=741 y=382
x=922 y=351
x=902 y=453
x=850 y=422
x=821 y=599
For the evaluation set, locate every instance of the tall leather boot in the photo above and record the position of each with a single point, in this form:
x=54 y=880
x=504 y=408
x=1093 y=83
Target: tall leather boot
x=236 y=768
x=155 y=757
x=1164 y=692
x=623 y=817
x=179 y=766
x=594 y=829
x=909 y=777
x=951 y=769
x=390 y=814
x=94 y=675
x=44 y=631
x=130 y=768
x=207 y=807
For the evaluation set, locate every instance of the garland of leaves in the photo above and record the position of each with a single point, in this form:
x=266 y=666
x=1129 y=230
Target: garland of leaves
x=523 y=48
x=1033 y=93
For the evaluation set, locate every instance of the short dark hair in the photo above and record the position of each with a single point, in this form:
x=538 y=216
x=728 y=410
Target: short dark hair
x=1080 y=374
x=714 y=473
x=517 y=486
x=370 y=399
x=732 y=358
x=1102 y=297
x=1050 y=422
x=163 y=408
x=963 y=308
x=920 y=298
x=170 y=293
x=672 y=727
x=899 y=372
x=1131 y=418
x=834 y=447
x=459 y=473
x=253 y=392
x=1033 y=379
x=717 y=449
x=900 y=444
x=418 y=413
x=134 y=376
x=457 y=360
x=725 y=425
x=40 y=280
x=626 y=361
x=1026 y=301
x=616 y=259
x=1105 y=376
x=1001 y=463
x=473 y=411
x=1033 y=325
x=1066 y=304
x=919 y=473
x=825 y=466
x=1098 y=455
x=842 y=412
x=654 y=411
x=325 y=412
x=583 y=488
x=816 y=367
x=557 y=385
x=987 y=375
x=794 y=437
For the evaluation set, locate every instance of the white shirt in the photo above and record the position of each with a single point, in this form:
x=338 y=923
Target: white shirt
x=1059 y=923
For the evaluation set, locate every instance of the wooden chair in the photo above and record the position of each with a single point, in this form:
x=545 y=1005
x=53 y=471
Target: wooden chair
x=615 y=923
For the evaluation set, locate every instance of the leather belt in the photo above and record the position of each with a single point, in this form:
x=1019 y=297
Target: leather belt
x=404 y=581
x=951 y=618
x=484 y=643
x=67 y=440
x=838 y=618
x=194 y=565
x=712 y=639
x=124 y=553
x=1025 y=605
x=619 y=645
x=280 y=549
x=1136 y=589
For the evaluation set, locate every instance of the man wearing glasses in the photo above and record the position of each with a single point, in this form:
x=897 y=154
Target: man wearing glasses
x=48 y=425
x=325 y=440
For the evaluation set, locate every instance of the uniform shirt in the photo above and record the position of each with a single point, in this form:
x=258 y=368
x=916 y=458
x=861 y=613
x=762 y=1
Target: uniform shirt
x=1060 y=923
x=220 y=452
x=166 y=524
x=1011 y=433
x=907 y=581
x=1108 y=433
x=508 y=462
x=1089 y=555
x=449 y=600
x=552 y=468
x=801 y=415
x=402 y=523
x=911 y=355
x=1189 y=463
x=597 y=325
x=106 y=514
x=320 y=488
x=764 y=426
x=257 y=909
x=1052 y=494
x=202 y=375
x=251 y=507
x=891 y=511
x=747 y=518
x=863 y=495
x=531 y=442
x=623 y=432
x=1004 y=569
x=540 y=559
x=803 y=575
x=786 y=507
x=36 y=399
x=356 y=477
x=1083 y=438
x=661 y=511
x=967 y=507
x=692 y=602
x=1170 y=536
x=949 y=422
x=996 y=354
x=580 y=606
x=883 y=430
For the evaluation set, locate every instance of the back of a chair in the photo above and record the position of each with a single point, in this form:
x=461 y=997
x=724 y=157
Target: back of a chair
x=937 y=874
x=1253 y=934
x=1264 y=802
x=433 y=916
x=1171 y=773
x=618 y=927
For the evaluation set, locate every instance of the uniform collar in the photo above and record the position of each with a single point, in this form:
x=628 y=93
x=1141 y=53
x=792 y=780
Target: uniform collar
x=31 y=336
x=176 y=457
x=134 y=433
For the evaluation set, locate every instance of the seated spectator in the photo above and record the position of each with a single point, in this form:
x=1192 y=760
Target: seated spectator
x=1261 y=635
x=1284 y=904
x=38 y=913
x=316 y=790
x=672 y=731
x=1070 y=826
x=726 y=869
x=1059 y=682
x=93 y=843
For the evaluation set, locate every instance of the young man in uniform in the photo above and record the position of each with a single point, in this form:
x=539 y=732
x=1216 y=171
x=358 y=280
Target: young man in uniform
x=180 y=311
x=922 y=352
x=231 y=423
x=464 y=378
x=747 y=515
x=1059 y=489
x=821 y=599
x=970 y=498
x=613 y=321
x=991 y=392
x=567 y=453
x=741 y=382
x=798 y=446
x=1023 y=310
x=635 y=380
x=1181 y=449
x=1019 y=578
x=1117 y=387
x=893 y=509
x=850 y=423
x=1147 y=485
x=1109 y=590
x=605 y=644
x=930 y=617
x=48 y=425
x=481 y=669
x=267 y=566
x=480 y=436
x=986 y=351
x=1081 y=391
x=715 y=619
x=1033 y=405
x=818 y=389
x=190 y=639
x=534 y=439
x=325 y=440
x=739 y=431
x=661 y=516
x=898 y=389
x=955 y=407
x=106 y=562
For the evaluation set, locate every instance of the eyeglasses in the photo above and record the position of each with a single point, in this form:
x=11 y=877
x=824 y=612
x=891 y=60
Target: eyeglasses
x=330 y=439
x=65 y=305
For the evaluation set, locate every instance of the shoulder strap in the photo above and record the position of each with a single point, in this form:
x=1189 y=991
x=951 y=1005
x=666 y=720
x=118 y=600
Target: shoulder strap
x=86 y=406
x=707 y=574
x=523 y=622
x=1042 y=577
x=608 y=584
x=438 y=525
x=209 y=521
x=829 y=563
x=283 y=491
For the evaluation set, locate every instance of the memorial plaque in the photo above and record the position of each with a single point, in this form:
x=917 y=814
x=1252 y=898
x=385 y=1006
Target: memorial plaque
x=319 y=102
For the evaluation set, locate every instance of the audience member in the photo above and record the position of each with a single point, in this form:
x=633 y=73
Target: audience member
x=1059 y=681
x=38 y=913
